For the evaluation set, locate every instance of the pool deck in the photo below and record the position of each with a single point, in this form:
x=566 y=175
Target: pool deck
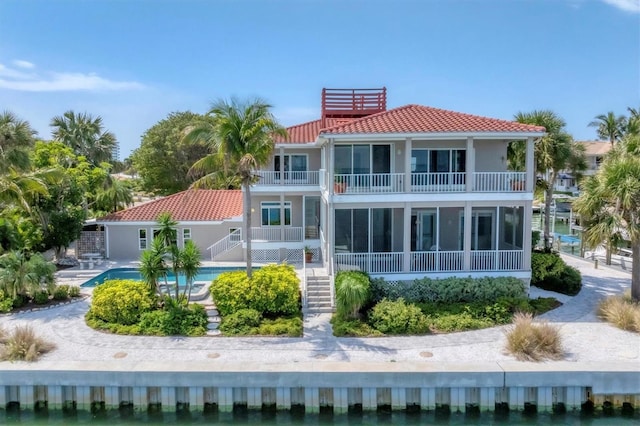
x=588 y=341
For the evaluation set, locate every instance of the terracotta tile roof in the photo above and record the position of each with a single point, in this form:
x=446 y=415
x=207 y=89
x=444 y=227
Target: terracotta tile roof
x=423 y=119
x=595 y=148
x=189 y=205
x=302 y=133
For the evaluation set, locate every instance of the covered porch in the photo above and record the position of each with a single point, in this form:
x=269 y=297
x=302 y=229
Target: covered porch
x=438 y=239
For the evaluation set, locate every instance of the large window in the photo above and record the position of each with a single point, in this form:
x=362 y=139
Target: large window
x=271 y=213
x=439 y=163
x=363 y=230
x=296 y=163
x=362 y=159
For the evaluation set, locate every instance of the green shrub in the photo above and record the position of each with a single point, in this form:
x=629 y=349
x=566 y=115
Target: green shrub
x=98 y=324
x=153 y=322
x=291 y=327
x=61 y=292
x=185 y=321
x=20 y=300
x=543 y=304
x=349 y=327
x=459 y=322
x=353 y=290
x=397 y=317
x=449 y=290
x=6 y=303
x=274 y=290
x=41 y=297
x=74 y=291
x=121 y=301
x=241 y=321
x=550 y=272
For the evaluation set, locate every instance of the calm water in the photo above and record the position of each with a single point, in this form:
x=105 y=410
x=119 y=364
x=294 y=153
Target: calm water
x=293 y=418
x=205 y=274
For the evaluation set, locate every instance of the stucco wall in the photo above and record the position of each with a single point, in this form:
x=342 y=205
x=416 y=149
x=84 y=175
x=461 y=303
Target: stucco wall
x=296 y=209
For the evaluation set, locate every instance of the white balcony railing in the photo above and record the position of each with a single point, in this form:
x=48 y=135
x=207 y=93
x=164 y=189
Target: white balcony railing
x=373 y=183
x=370 y=262
x=499 y=181
x=225 y=244
x=497 y=260
x=277 y=233
x=288 y=178
x=438 y=182
x=437 y=261
x=431 y=261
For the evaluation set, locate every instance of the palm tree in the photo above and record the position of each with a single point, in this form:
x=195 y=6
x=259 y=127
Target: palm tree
x=633 y=123
x=115 y=196
x=241 y=133
x=85 y=135
x=153 y=266
x=610 y=204
x=189 y=266
x=609 y=126
x=20 y=274
x=554 y=152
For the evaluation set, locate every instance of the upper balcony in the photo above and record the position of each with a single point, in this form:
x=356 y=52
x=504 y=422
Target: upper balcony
x=276 y=181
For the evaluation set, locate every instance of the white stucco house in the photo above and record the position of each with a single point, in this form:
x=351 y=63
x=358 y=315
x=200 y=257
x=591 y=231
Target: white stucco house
x=401 y=193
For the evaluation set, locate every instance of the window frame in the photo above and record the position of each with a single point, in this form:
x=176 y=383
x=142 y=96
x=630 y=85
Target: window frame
x=275 y=205
x=141 y=239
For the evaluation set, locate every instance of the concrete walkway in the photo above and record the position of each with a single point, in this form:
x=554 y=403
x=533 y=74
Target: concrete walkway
x=586 y=339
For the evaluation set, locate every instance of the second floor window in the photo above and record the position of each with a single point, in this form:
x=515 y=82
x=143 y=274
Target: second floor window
x=290 y=163
x=271 y=213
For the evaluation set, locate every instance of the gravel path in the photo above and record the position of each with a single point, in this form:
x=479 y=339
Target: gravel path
x=585 y=337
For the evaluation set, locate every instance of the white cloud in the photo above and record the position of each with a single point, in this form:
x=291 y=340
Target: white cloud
x=23 y=64
x=626 y=5
x=14 y=79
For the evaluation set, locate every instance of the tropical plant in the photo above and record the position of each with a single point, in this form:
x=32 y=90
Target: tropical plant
x=242 y=133
x=153 y=267
x=23 y=345
x=85 y=135
x=554 y=152
x=20 y=274
x=609 y=126
x=115 y=196
x=609 y=206
x=353 y=291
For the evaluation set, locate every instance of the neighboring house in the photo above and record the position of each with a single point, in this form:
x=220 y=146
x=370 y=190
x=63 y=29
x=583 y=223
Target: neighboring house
x=400 y=193
x=203 y=216
x=594 y=151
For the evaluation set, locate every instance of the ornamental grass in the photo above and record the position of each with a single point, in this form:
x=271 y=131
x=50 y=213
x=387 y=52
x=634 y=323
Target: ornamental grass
x=533 y=341
x=23 y=345
x=621 y=311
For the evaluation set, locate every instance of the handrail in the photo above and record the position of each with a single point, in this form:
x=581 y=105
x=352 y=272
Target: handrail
x=225 y=244
x=304 y=280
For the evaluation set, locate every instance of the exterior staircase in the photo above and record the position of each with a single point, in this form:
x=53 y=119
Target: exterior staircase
x=213 y=317
x=318 y=294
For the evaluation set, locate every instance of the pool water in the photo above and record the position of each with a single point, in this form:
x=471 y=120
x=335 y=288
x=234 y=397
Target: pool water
x=205 y=274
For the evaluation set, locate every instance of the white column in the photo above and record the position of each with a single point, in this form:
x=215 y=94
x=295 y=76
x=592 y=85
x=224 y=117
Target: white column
x=111 y=397
x=458 y=400
x=544 y=399
x=196 y=398
x=398 y=398
x=427 y=399
x=468 y=211
x=140 y=400
x=516 y=398
x=331 y=168
x=168 y=398
x=282 y=171
x=407 y=165
x=574 y=398
x=54 y=397
x=254 y=398
x=406 y=237
x=471 y=164
x=526 y=238
x=83 y=397
x=282 y=216
x=530 y=166
x=369 y=399
x=26 y=397
x=487 y=399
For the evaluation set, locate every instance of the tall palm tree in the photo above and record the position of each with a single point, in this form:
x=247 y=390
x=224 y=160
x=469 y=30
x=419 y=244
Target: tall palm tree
x=153 y=267
x=189 y=266
x=554 y=152
x=610 y=204
x=17 y=181
x=242 y=133
x=85 y=135
x=609 y=126
x=115 y=196
x=633 y=122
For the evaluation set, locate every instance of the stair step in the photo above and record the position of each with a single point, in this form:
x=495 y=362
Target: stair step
x=213 y=326
x=319 y=310
x=212 y=312
x=213 y=333
x=214 y=319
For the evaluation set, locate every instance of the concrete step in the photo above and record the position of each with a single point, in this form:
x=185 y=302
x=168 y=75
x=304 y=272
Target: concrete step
x=213 y=326
x=213 y=312
x=213 y=333
x=324 y=304
x=319 y=310
x=214 y=320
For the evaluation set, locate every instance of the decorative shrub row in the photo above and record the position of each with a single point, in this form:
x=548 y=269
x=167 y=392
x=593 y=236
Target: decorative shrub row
x=128 y=307
x=550 y=272
x=273 y=290
x=246 y=322
x=40 y=297
x=449 y=290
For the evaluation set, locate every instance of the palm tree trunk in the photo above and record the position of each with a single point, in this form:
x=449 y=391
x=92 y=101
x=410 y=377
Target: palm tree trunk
x=247 y=224
x=547 y=215
x=635 y=270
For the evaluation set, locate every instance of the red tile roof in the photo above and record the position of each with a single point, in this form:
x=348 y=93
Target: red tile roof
x=190 y=205
x=302 y=133
x=423 y=119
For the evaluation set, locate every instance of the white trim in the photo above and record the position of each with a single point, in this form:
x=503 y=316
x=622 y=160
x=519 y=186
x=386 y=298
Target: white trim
x=182 y=236
x=282 y=207
x=473 y=274
x=146 y=239
x=323 y=137
x=296 y=145
x=180 y=223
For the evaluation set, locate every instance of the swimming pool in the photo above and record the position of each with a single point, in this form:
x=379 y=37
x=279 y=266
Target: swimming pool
x=206 y=274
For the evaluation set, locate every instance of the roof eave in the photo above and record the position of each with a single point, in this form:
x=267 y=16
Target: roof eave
x=429 y=135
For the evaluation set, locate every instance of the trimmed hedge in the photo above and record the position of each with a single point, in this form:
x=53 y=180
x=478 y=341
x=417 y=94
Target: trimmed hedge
x=121 y=301
x=398 y=317
x=550 y=272
x=274 y=290
x=449 y=290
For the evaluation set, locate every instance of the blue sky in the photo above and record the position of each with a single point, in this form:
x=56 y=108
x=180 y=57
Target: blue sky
x=134 y=62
